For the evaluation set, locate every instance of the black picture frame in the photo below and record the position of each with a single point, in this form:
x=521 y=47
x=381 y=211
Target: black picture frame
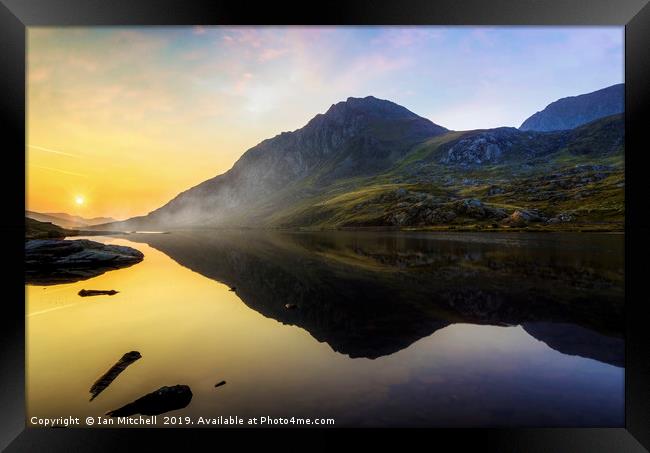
x=16 y=15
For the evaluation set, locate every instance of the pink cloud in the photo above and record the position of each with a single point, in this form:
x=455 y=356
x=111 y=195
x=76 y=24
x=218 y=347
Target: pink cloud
x=83 y=63
x=242 y=83
x=41 y=74
x=272 y=54
x=378 y=63
x=248 y=36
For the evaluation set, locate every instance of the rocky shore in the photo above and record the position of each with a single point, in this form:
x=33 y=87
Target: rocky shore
x=56 y=261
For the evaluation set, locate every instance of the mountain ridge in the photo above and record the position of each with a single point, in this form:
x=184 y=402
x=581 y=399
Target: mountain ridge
x=66 y=220
x=370 y=147
x=574 y=111
x=357 y=136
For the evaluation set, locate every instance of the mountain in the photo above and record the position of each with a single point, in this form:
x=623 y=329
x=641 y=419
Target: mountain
x=574 y=111
x=67 y=220
x=372 y=163
x=35 y=229
x=486 y=179
x=356 y=138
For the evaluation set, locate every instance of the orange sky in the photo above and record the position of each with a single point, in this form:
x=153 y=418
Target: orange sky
x=128 y=117
x=105 y=123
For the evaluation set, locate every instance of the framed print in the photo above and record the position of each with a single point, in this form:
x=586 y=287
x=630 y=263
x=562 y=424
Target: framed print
x=417 y=219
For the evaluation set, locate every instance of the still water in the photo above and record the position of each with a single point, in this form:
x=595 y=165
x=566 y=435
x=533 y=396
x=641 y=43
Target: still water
x=382 y=329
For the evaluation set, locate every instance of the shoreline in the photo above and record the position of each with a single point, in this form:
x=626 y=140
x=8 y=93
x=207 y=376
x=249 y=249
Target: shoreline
x=433 y=229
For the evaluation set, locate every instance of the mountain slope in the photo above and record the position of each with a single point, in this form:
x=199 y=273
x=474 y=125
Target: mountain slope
x=35 y=229
x=371 y=163
x=481 y=178
x=574 y=111
x=355 y=138
x=67 y=220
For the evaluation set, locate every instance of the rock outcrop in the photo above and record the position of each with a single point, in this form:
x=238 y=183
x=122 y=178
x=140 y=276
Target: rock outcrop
x=522 y=218
x=481 y=148
x=52 y=261
x=574 y=111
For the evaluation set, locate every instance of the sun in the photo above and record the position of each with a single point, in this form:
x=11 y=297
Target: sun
x=79 y=200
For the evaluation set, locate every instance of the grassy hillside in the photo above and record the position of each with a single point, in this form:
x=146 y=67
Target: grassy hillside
x=571 y=181
x=45 y=230
x=371 y=163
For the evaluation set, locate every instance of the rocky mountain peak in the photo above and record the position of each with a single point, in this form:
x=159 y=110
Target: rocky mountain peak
x=574 y=111
x=370 y=114
x=363 y=137
x=369 y=106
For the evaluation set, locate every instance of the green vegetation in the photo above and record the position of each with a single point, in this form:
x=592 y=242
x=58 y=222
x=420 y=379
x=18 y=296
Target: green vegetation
x=570 y=181
x=45 y=230
x=369 y=163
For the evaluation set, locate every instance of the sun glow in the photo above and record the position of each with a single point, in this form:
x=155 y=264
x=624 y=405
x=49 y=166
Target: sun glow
x=79 y=200
x=105 y=105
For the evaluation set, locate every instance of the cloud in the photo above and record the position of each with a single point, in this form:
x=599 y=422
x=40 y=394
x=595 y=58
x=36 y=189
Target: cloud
x=83 y=63
x=58 y=170
x=210 y=92
x=53 y=151
x=242 y=83
x=272 y=54
x=246 y=37
x=39 y=74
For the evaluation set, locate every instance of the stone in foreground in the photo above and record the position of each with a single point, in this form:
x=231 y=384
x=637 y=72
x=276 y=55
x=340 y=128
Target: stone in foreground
x=107 y=378
x=54 y=261
x=163 y=400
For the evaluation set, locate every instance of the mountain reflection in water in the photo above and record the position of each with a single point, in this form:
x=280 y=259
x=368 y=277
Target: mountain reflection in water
x=369 y=328
x=373 y=294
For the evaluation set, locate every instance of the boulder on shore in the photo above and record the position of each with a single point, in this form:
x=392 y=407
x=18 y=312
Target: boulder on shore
x=522 y=218
x=55 y=261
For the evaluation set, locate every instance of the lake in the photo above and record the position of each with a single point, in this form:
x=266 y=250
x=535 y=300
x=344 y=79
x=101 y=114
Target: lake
x=367 y=328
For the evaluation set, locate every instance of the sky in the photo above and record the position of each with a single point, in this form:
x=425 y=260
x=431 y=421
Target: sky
x=122 y=119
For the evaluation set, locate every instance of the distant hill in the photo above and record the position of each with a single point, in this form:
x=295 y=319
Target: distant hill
x=67 y=220
x=368 y=162
x=45 y=230
x=574 y=111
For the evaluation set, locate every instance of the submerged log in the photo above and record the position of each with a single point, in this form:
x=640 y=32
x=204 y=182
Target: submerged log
x=96 y=292
x=163 y=400
x=107 y=378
